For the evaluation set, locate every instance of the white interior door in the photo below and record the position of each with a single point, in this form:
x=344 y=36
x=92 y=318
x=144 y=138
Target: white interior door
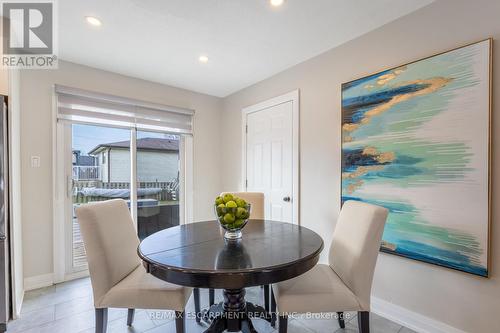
x=270 y=158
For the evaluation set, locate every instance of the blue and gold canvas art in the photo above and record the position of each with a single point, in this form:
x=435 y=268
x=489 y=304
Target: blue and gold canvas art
x=416 y=140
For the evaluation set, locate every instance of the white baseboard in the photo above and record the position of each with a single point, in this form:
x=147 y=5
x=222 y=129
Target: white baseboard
x=410 y=319
x=46 y=280
x=76 y=275
x=38 y=281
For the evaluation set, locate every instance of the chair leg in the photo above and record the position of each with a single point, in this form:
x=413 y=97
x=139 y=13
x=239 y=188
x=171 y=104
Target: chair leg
x=266 y=297
x=197 y=307
x=179 y=321
x=283 y=325
x=101 y=320
x=364 y=321
x=341 y=319
x=130 y=317
x=211 y=296
x=273 y=309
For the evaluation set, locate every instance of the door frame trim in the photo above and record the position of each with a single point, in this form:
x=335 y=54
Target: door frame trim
x=292 y=96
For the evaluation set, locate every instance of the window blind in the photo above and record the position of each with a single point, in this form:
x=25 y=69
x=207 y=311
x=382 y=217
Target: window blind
x=76 y=105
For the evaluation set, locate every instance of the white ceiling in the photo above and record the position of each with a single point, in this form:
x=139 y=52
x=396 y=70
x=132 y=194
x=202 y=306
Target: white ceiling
x=246 y=40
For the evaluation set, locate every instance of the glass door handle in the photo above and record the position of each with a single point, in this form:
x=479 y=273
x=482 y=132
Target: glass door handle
x=69 y=186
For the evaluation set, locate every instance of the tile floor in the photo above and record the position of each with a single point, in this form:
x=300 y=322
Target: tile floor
x=67 y=308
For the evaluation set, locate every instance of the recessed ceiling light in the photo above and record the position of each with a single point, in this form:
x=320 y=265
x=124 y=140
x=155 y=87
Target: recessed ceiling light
x=203 y=59
x=93 y=21
x=276 y=3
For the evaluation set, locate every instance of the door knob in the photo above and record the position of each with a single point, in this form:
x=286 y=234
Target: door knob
x=286 y=199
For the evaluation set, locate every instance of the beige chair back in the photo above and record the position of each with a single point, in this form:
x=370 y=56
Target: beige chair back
x=110 y=243
x=256 y=199
x=355 y=247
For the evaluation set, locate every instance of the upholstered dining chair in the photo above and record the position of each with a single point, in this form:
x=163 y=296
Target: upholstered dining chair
x=117 y=276
x=256 y=199
x=345 y=283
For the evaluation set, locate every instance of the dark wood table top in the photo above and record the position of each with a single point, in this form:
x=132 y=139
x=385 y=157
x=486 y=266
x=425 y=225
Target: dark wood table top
x=197 y=255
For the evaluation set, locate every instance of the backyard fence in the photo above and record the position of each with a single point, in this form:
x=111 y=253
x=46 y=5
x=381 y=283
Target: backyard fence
x=86 y=172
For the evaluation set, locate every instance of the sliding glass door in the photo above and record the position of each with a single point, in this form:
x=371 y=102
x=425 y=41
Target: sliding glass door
x=100 y=170
x=102 y=164
x=157 y=182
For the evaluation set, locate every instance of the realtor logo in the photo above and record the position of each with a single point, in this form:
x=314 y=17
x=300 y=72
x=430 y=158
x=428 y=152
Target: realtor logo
x=28 y=34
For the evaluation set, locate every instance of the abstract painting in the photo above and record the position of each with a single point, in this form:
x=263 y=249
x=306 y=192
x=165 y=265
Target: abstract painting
x=416 y=140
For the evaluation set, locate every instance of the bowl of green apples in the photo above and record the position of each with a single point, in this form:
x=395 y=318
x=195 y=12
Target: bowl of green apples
x=233 y=214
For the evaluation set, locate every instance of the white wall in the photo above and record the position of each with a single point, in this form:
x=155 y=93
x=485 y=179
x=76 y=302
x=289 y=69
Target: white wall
x=16 y=234
x=9 y=85
x=4 y=80
x=36 y=131
x=467 y=302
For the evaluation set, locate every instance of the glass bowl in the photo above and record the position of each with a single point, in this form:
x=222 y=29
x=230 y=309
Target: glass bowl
x=233 y=219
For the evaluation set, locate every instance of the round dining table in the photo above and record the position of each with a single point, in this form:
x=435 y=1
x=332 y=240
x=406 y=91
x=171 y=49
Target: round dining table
x=197 y=255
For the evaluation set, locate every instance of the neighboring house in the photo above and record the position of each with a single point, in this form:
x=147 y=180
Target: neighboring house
x=84 y=167
x=157 y=160
x=83 y=160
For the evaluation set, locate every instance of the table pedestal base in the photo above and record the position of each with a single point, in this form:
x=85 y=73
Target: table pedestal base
x=234 y=314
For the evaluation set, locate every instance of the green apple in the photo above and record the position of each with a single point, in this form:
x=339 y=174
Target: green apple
x=219 y=201
x=228 y=197
x=240 y=202
x=241 y=213
x=221 y=209
x=238 y=223
x=231 y=204
x=229 y=218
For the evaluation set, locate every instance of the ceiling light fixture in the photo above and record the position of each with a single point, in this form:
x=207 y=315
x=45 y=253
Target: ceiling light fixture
x=93 y=21
x=203 y=59
x=276 y=3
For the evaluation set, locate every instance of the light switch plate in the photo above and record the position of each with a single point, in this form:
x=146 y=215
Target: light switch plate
x=35 y=161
